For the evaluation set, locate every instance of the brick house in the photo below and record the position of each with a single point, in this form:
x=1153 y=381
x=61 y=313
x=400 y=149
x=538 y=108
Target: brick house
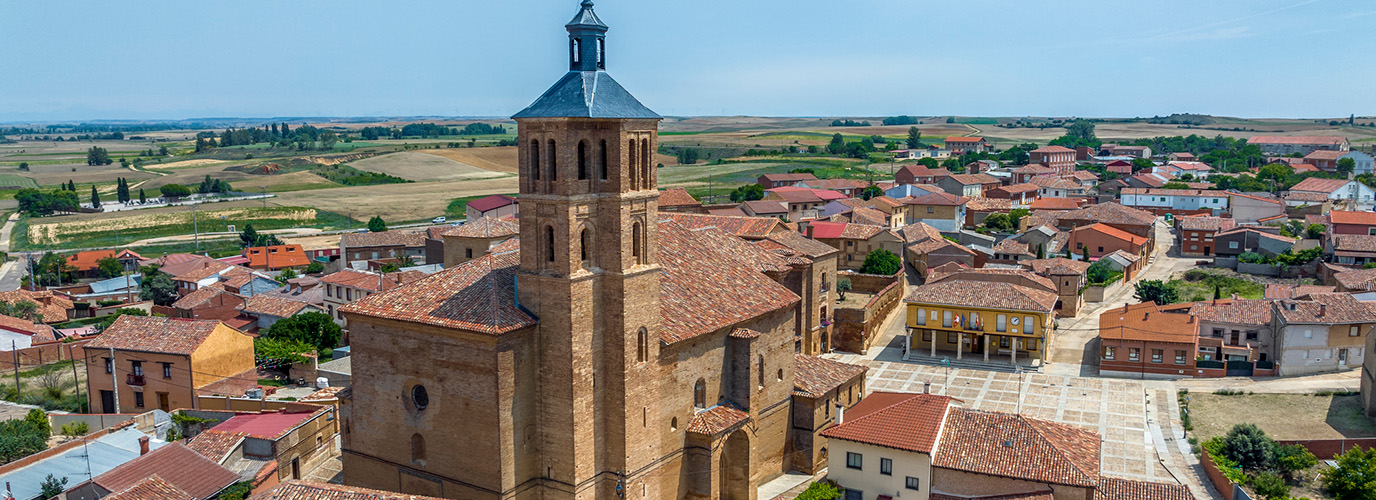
x=811 y=275
x=968 y=185
x=1021 y=194
x=1060 y=159
x=771 y=181
x=275 y=258
x=475 y=239
x=86 y=263
x=1025 y=173
x=855 y=241
x=919 y=174
x=362 y=247
x=1131 y=220
x=348 y=286
x=925 y=249
x=1285 y=145
x=1265 y=241
x=1143 y=341
x=210 y=302
x=1236 y=330
x=962 y=145
x=1197 y=234
x=823 y=390
x=678 y=200
x=1325 y=333
x=1345 y=222
x=1353 y=249
x=1102 y=239
x=1069 y=278
x=166 y=363
x=1342 y=192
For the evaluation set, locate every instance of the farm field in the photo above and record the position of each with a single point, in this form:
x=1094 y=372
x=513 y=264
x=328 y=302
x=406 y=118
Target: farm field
x=501 y=159
x=396 y=203
x=424 y=166
x=96 y=232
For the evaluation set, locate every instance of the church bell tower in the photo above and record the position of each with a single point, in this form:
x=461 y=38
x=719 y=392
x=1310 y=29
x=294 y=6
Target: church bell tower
x=590 y=272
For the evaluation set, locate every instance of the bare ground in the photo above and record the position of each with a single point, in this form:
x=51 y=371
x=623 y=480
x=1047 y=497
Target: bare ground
x=427 y=166
x=1282 y=416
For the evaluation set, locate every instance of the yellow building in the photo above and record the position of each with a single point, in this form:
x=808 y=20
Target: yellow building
x=140 y=363
x=986 y=313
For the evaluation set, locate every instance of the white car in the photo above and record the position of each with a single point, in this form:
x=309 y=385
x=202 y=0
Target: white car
x=438 y=220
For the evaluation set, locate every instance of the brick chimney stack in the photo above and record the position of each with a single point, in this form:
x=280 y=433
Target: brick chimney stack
x=143 y=445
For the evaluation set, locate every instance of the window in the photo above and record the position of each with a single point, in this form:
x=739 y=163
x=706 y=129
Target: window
x=329 y=289
x=582 y=160
x=631 y=156
x=759 y=368
x=1309 y=334
x=700 y=394
x=922 y=317
x=1029 y=324
x=109 y=365
x=645 y=163
x=1156 y=355
x=468 y=253
x=952 y=338
x=1218 y=333
x=1134 y=353
x=1005 y=342
x=1179 y=357
x=946 y=319
x=417 y=449
x=574 y=47
x=553 y=162
x=636 y=243
x=886 y=467
x=642 y=346
x=931 y=210
x=913 y=483
x=583 y=244
x=420 y=397
x=549 y=243
x=1001 y=323
x=1232 y=245
x=167 y=370
x=854 y=461
x=535 y=159
x=1101 y=249
x=927 y=336
x=602 y=160
x=138 y=368
x=1352 y=331
x=1110 y=352
x=1252 y=334
x=1029 y=344
x=138 y=399
x=601 y=54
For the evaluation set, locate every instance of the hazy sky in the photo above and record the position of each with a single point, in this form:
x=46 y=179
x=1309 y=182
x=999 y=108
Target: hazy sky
x=97 y=59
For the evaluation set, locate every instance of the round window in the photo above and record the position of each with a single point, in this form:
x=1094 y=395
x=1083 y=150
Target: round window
x=420 y=397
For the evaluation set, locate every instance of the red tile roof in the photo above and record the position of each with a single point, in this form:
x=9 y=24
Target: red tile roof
x=268 y=426
x=1018 y=188
x=765 y=207
x=393 y=238
x=1110 y=213
x=476 y=296
x=1258 y=198
x=717 y=419
x=1112 y=488
x=200 y=296
x=371 y=282
x=51 y=305
x=1285 y=291
x=265 y=305
x=1053 y=149
x=304 y=490
x=1014 y=446
x=276 y=256
x=1201 y=223
x=1031 y=495
x=1235 y=311
x=942 y=199
x=1326 y=309
x=215 y=445
x=489 y=203
x=485 y=227
x=1318 y=185
x=789 y=177
x=151 y=488
x=1057 y=266
x=964 y=139
x=677 y=197
x=205 y=269
x=803 y=245
x=1114 y=233
x=814 y=377
x=968 y=179
x=1359 y=279
x=1055 y=204
x=19 y=325
x=751 y=228
x=1355 y=218
x=153 y=334
x=909 y=422
x=86 y=261
x=1350 y=245
x=177 y=466
x=1147 y=322
x=983 y=294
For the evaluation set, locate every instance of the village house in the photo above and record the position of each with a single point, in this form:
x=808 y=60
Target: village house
x=475 y=239
x=810 y=274
x=1260 y=240
x=982 y=166
x=855 y=241
x=1236 y=330
x=360 y=248
x=1249 y=209
x=1347 y=193
x=823 y=390
x=1131 y=220
x=747 y=228
x=1068 y=276
x=943 y=211
x=1149 y=180
x=678 y=200
x=901 y=191
x=1025 y=173
x=348 y=286
x=19 y=333
x=1325 y=333
x=1181 y=157
x=1197 y=234
x=766 y=208
x=1286 y=145
x=968 y=185
x=211 y=302
x=1179 y=168
x=849 y=187
x=205 y=273
x=1126 y=151
x=1121 y=167
x=1052 y=186
x=53 y=308
x=1353 y=249
x=86 y=264
x=1046 y=239
x=166 y=472
x=985 y=312
x=1060 y=159
x=497 y=206
x=1327 y=161
x=276 y=258
x=1346 y=222
x=919 y=174
x=297 y=439
x=267 y=310
x=962 y=145
x=143 y=362
x=1103 y=239
x=1355 y=280
x=1011 y=251
x=771 y=181
x=803 y=203
x=1144 y=341
x=1020 y=194
x=978 y=209
x=1057 y=204
x=1175 y=201
x=925 y=446
x=926 y=249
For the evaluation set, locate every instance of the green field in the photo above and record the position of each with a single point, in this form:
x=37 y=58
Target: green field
x=62 y=232
x=16 y=181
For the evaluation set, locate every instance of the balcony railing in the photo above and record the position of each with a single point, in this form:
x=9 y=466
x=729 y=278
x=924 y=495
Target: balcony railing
x=132 y=379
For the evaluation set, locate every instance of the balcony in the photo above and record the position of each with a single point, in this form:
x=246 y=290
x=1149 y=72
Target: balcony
x=132 y=379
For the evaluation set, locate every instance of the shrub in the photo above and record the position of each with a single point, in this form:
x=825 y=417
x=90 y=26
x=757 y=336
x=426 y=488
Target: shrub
x=821 y=490
x=1270 y=485
x=1354 y=478
x=1292 y=458
x=881 y=262
x=77 y=428
x=1249 y=446
x=175 y=191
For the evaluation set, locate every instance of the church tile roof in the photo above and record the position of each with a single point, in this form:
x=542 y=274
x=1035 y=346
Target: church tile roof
x=717 y=419
x=814 y=377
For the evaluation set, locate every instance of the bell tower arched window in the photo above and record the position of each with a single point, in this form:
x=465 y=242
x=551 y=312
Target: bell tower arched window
x=575 y=48
x=636 y=242
x=645 y=161
x=602 y=160
x=601 y=53
x=535 y=158
x=583 y=246
x=582 y=160
x=642 y=346
x=632 y=157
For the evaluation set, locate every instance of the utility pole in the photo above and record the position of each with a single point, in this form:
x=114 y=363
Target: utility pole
x=15 y=349
x=32 y=278
x=114 y=383
x=195 y=228
x=75 y=379
x=265 y=197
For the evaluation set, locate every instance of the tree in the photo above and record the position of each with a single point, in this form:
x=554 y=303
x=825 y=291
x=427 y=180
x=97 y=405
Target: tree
x=1346 y=166
x=109 y=267
x=51 y=487
x=1081 y=129
x=914 y=138
x=175 y=191
x=98 y=156
x=1218 y=292
x=157 y=286
x=687 y=156
x=998 y=222
x=1292 y=458
x=22 y=309
x=142 y=198
x=1355 y=476
x=20 y=438
x=376 y=224
x=1016 y=215
x=315 y=268
x=286 y=275
x=1041 y=251
x=871 y=192
x=71 y=186
x=1085 y=252
x=1175 y=185
x=1249 y=446
x=821 y=490
x=248 y=237
x=748 y=192
x=1155 y=291
x=1270 y=485
x=162 y=151
x=23 y=166
x=313 y=328
x=842 y=286
x=1099 y=273
x=279 y=352
x=122 y=191
x=1315 y=231
x=881 y=262
x=95 y=198
x=1140 y=164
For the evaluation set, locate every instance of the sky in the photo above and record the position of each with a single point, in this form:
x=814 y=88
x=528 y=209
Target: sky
x=163 y=59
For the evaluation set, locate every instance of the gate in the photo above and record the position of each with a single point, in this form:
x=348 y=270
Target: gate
x=1239 y=369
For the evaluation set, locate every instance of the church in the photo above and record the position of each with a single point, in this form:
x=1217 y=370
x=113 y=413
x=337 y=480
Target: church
x=610 y=352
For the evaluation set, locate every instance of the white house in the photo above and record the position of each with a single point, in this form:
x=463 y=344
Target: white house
x=1338 y=190
x=17 y=333
x=1175 y=199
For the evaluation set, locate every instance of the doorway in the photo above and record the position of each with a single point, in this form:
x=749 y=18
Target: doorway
x=163 y=404
x=1342 y=357
x=296 y=468
x=107 y=402
x=734 y=467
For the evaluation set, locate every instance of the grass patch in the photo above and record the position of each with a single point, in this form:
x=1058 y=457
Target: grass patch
x=1282 y=416
x=1198 y=284
x=267 y=382
x=15 y=182
x=350 y=176
x=218 y=248
x=41 y=234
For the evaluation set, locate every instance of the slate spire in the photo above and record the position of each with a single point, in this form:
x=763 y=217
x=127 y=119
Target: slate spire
x=587 y=40
x=587 y=91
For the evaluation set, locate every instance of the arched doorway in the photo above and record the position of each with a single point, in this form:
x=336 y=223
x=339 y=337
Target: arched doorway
x=733 y=468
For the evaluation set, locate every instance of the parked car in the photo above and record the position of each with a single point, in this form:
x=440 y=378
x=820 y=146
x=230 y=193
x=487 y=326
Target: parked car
x=438 y=220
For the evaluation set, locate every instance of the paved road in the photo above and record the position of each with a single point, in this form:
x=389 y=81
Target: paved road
x=10 y=272
x=1074 y=348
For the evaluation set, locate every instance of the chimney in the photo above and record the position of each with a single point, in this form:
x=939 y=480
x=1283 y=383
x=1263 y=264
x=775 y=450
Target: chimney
x=840 y=413
x=926 y=387
x=1323 y=309
x=143 y=445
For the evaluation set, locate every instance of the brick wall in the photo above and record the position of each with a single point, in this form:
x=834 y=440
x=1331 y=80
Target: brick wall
x=1326 y=449
x=43 y=354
